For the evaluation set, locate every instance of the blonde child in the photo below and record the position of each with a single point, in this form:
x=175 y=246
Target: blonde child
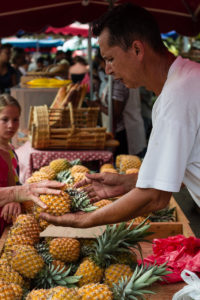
x=9 y=123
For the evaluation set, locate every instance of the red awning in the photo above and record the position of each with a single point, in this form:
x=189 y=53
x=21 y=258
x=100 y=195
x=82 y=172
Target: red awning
x=73 y=29
x=34 y=15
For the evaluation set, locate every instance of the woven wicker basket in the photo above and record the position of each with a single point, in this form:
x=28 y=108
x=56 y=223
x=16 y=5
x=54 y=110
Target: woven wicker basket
x=65 y=129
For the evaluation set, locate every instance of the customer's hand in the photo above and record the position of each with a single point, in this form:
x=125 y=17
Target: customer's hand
x=107 y=185
x=34 y=190
x=10 y=211
x=75 y=220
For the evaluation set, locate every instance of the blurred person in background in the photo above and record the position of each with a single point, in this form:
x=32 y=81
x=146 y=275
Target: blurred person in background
x=78 y=69
x=8 y=76
x=17 y=60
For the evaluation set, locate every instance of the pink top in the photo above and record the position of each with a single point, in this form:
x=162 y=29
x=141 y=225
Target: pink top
x=3 y=173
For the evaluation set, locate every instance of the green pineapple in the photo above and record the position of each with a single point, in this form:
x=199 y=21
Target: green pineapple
x=135 y=287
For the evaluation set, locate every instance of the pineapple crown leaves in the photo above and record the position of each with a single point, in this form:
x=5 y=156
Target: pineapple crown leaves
x=64 y=176
x=75 y=162
x=43 y=251
x=163 y=215
x=142 y=277
x=118 y=238
x=52 y=276
x=80 y=201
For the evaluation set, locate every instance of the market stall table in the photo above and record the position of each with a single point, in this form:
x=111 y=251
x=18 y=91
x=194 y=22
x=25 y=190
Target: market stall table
x=31 y=159
x=32 y=97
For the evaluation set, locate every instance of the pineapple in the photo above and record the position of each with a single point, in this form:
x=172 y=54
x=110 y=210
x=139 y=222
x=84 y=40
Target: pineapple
x=27 y=226
x=52 y=276
x=9 y=275
x=17 y=291
x=78 y=176
x=143 y=276
x=57 y=205
x=43 y=250
x=109 y=170
x=61 y=292
x=115 y=272
x=17 y=240
x=41 y=294
x=95 y=291
x=6 y=291
x=128 y=162
x=130 y=259
x=80 y=201
x=79 y=169
x=102 y=203
x=118 y=159
x=65 y=249
x=26 y=261
x=37 y=176
x=49 y=172
x=132 y=171
x=115 y=239
x=106 y=166
x=59 y=164
x=65 y=176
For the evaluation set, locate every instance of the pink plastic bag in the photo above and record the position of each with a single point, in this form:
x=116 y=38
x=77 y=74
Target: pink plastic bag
x=179 y=252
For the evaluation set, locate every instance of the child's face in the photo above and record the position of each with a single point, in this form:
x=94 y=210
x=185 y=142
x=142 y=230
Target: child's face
x=9 y=122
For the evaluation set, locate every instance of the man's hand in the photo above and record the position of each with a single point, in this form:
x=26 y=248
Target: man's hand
x=107 y=185
x=75 y=220
x=10 y=210
x=34 y=190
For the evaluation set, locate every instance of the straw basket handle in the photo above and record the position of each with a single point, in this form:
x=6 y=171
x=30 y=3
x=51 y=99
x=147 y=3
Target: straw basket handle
x=71 y=115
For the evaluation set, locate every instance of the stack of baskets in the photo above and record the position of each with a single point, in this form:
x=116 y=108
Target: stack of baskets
x=68 y=128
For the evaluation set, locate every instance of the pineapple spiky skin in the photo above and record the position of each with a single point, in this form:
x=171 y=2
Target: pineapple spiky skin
x=102 y=203
x=6 y=291
x=9 y=275
x=90 y=272
x=128 y=162
x=59 y=165
x=26 y=225
x=129 y=259
x=17 y=240
x=109 y=170
x=78 y=176
x=17 y=291
x=49 y=172
x=95 y=291
x=57 y=205
x=65 y=249
x=115 y=272
x=132 y=171
x=106 y=166
x=118 y=160
x=78 y=169
x=61 y=292
x=26 y=261
x=40 y=294
x=37 y=177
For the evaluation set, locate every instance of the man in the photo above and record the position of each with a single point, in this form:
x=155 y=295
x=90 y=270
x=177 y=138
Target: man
x=132 y=48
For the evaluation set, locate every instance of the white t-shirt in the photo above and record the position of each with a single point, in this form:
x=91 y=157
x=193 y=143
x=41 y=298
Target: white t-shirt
x=173 y=154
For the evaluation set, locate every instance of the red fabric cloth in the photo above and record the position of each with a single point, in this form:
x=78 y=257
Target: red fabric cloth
x=179 y=252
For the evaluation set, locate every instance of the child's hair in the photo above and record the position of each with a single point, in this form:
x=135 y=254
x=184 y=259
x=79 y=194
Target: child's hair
x=6 y=99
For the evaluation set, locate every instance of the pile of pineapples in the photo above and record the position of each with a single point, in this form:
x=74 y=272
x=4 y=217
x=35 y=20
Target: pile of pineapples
x=67 y=268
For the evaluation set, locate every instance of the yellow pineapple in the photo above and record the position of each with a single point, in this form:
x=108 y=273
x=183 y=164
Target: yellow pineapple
x=95 y=291
x=50 y=172
x=57 y=205
x=115 y=272
x=132 y=171
x=65 y=249
x=78 y=169
x=115 y=239
x=60 y=164
x=17 y=291
x=118 y=160
x=128 y=162
x=102 y=203
x=26 y=225
x=17 y=240
x=6 y=292
x=61 y=292
x=26 y=261
x=40 y=294
x=78 y=177
x=37 y=176
x=106 y=166
x=9 y=275
x=109 y=170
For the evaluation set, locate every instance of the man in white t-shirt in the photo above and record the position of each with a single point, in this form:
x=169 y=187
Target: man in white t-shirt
x=133 y=51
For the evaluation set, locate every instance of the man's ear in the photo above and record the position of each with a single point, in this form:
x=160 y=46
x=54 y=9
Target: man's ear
x=138 y=48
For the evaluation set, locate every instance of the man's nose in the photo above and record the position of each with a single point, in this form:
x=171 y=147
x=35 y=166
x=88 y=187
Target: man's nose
x=108 y=69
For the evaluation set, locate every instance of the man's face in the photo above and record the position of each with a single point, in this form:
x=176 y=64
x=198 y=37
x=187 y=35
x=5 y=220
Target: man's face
x=5 y=55
x=123 y=65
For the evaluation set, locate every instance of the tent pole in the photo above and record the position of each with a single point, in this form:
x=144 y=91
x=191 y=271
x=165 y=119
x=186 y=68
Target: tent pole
x=90 y=60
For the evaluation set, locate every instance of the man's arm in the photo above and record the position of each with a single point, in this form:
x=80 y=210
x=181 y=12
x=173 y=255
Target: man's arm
x=135 y=203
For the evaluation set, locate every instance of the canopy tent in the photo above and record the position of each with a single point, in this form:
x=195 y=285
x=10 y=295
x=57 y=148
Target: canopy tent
x=32 y=16
x=32 y=43
x=75 y=28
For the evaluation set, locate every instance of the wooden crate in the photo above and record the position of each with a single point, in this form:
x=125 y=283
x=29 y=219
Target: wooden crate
x=65 y=129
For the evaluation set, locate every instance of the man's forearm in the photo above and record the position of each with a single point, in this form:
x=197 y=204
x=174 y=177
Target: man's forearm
x=135 y=203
